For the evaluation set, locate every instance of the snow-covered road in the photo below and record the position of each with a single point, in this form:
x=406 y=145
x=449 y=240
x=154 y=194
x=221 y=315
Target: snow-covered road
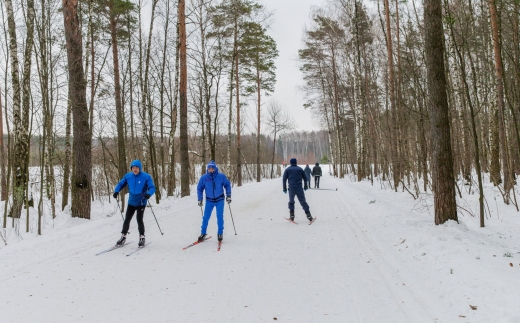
x=368 y=258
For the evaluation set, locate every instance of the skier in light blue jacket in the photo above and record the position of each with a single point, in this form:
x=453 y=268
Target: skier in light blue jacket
x=140 y=189
x=213 y=183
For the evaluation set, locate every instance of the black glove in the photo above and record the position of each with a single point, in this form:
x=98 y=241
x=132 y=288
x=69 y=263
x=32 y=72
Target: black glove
x=285 y=191
x=200 y=203
x=115 y=195
x=147 y=196
x=305 y=188
x=228 y=199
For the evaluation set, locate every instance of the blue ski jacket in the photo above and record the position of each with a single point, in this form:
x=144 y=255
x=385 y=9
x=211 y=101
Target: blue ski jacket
x=214 y=185
x=138 y=185
x=294 y=174
x=307 y=171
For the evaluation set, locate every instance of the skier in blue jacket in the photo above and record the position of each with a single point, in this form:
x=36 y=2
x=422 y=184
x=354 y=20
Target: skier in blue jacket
x=213 y=183
x=295 y=174
x=140 y=189
x=308 y=171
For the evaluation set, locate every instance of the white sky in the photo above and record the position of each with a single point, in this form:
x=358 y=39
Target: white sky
x=290 y=17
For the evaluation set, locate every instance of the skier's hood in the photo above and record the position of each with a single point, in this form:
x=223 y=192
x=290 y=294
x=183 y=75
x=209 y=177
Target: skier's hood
x=214 y=165
x=293 y=161
x=137 y=163
x=317 y=164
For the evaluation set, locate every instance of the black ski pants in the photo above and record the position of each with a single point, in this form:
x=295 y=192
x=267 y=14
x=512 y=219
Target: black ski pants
x=317 y=181
x=130 y=210
x=298 y=191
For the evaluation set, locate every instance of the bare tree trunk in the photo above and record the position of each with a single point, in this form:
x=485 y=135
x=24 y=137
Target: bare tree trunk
x=82 y=171
x=161 y=93
x=18 y=160
x=258 y=125
x=147 y=102
x=230 y=116
x=336 y=112
x=183 y=89
x=497 y=50
x=121 y=151
x=237 y=88
x=473 y=123
x=67 y=163
x=391 y=81
x=3 y=182
x=47 y=148
x=173 y=120
x=443 y=182
x=131 y=90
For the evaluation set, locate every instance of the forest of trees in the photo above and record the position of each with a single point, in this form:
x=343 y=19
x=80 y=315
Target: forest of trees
x=87 y=86
x=420 y=94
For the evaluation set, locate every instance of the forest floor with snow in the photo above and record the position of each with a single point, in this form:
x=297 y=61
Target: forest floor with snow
x=372 y=255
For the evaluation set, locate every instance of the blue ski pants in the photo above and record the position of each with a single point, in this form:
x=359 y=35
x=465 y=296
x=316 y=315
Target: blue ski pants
x=207 y=214
x=298 y=191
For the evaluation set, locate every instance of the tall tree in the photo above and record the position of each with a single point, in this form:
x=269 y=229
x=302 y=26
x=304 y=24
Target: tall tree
x=393 y=106
x=20 y=176
x=497 y=52
x=82 y=141
x=183 y=100
x=258 y=61
x=116 y=11
x=443 y=182
x=3 y=181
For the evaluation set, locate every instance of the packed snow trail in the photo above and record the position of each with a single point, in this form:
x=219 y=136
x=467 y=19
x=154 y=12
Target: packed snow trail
x=352 y=265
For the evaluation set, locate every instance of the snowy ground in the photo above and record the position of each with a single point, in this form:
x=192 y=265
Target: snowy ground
x=372 y=255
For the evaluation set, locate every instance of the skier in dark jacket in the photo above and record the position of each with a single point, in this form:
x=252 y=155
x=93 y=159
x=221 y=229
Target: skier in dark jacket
x=214 y=183
x=295 y=174
x=316 y=172
x=308 y=172
x=140 y=189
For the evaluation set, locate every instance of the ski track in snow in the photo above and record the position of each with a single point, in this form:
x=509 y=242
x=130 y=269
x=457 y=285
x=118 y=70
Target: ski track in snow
x=349 y=266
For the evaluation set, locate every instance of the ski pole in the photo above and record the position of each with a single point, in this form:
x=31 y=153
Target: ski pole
x=232 y=219
x=201 y=212
x=117 y=202
x=156 y=219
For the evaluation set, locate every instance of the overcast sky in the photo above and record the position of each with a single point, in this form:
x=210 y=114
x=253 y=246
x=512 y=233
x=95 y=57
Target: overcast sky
x=290 y=17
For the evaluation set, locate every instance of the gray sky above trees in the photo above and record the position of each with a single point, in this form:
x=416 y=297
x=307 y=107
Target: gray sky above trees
x=289 y=20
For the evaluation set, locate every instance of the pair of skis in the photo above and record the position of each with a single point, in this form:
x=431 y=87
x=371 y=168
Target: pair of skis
x=197 y=242
x=292 y=221
x=117 y=247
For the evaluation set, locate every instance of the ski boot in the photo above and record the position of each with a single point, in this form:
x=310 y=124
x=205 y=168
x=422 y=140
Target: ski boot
x=309 y=216
x=291 y=216
x=201 y=237
x=121 y=241
x=220 y=237
x=141 y=241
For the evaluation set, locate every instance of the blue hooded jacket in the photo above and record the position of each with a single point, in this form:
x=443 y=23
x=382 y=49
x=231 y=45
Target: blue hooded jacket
x=138 y=185
x=307 y=171
x=294 y=174
x=214 y=185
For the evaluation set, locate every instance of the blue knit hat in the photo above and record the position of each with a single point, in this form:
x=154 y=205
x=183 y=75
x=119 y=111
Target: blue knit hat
x=293 y=161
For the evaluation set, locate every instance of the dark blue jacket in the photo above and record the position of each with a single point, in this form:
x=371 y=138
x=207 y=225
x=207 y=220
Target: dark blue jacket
x=294 y=174
x=307 y=171
x=138 y=185
x=214 y=185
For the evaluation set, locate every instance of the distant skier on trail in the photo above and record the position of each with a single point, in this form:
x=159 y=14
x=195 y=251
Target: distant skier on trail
x=308 y=172
x=316 y=172
x=140 y=189
x=214 y=183
x=295 y=174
